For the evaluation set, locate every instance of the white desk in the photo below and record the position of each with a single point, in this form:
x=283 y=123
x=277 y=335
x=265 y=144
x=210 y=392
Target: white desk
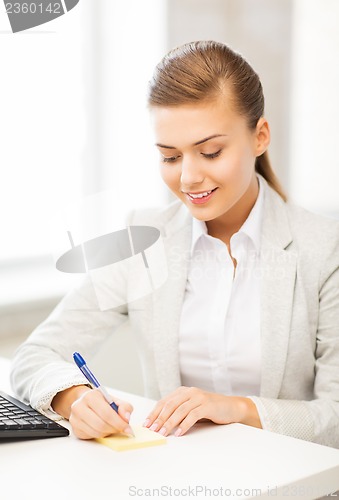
x=234 y=458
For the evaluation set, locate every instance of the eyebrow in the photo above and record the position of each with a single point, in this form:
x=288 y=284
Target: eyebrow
x=196 y=143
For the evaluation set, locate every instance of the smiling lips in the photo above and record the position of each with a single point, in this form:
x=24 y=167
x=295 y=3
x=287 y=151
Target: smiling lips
x=202 y=197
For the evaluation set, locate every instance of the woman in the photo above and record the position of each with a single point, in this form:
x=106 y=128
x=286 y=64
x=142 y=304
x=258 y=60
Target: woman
x=246 y=327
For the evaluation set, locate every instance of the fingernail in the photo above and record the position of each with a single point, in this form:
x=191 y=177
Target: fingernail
x=162 y=431
x=127 y=415
x=153 y=427
x=146 y=423
x=178 y=432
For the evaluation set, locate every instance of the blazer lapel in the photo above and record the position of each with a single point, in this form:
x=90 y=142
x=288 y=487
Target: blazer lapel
x=278 y=268
x=168 y=300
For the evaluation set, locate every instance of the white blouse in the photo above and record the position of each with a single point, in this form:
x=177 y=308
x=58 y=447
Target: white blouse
x=219 y=341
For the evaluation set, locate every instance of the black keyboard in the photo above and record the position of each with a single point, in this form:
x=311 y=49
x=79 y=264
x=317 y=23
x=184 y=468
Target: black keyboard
x=18 y=420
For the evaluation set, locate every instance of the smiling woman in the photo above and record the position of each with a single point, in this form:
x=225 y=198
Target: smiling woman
x=214 y=153
x=210 y=124
x=245 y=329
x=211 y=73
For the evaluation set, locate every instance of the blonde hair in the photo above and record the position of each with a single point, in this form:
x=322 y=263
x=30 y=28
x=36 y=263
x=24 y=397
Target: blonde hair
x=202 y=71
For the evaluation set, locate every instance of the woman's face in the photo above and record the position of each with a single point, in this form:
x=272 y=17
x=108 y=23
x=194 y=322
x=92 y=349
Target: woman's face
x=208 y=148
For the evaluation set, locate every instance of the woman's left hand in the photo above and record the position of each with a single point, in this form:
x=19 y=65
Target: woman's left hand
x=186 y=405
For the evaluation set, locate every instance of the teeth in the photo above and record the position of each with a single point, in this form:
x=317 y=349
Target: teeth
x=201 y=195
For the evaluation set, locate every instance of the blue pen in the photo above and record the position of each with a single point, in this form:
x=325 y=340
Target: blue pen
x=81 y=364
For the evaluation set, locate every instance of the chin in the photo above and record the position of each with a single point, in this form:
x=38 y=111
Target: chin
x=202 y=215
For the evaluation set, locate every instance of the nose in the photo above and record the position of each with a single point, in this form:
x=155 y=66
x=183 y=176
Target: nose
x=190 y=173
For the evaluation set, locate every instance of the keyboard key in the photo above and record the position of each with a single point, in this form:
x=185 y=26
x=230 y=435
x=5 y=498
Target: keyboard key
x=37 y=424
x=22 y=423
x=10 y=423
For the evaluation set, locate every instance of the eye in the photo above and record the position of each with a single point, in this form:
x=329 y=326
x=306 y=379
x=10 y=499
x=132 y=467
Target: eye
x=212 y=155
x=169 y=159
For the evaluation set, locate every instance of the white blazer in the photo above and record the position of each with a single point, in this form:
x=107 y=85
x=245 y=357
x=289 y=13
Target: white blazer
x=299 y=393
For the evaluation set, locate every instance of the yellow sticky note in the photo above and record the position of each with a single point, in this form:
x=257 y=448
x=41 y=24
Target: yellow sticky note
x=143 y=438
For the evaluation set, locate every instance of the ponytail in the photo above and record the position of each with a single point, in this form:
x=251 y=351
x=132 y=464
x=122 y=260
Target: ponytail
x=263 y=167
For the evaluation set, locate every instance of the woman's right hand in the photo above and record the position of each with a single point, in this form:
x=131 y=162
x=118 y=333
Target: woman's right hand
x=89 y=413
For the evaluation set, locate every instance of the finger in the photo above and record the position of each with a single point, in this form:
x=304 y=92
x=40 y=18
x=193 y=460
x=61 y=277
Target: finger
x=86 y=423
x=157 y=409
x=189 y=421
x=85 y=429
x=178 y=416
x=154 y=413
x=125 y=408
x=93 y=410
x=165 y=408
x=102 y=408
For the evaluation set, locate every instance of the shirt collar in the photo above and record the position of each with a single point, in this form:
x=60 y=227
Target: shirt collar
x=251 y=227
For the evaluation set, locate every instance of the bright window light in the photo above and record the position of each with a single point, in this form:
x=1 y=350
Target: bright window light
x=73 y=116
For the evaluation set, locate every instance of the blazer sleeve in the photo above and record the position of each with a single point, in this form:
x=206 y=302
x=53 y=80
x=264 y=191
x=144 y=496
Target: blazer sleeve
x=43 y=365
x=316 y=420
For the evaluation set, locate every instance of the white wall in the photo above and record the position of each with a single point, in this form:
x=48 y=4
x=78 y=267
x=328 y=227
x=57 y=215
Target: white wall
x=314 y=131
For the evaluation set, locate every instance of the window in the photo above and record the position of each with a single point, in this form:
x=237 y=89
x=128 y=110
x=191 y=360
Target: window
x=73 y=122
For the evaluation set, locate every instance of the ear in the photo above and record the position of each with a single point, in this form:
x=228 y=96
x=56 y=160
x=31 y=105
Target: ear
x=262 y=136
